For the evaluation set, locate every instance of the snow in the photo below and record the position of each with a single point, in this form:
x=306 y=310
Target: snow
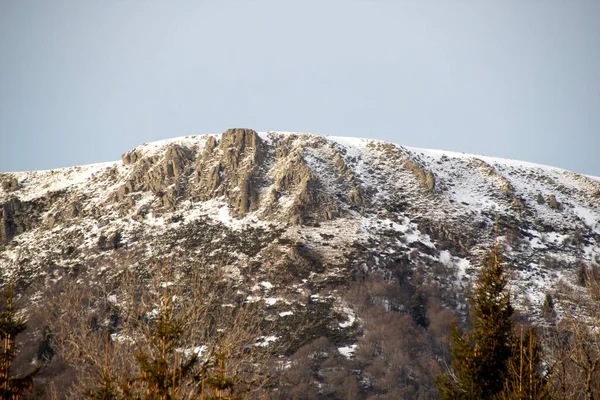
x=470 y=190
x=266 y=340
x=350 y=142
x=461 y=264
x=198 y=350
x=586 y=215
x=271 y=300
x=347 y=351
x=37 y=183
x=437 y=154
x=160 y=146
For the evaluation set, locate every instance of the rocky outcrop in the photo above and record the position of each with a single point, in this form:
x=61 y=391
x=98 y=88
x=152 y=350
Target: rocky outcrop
x=10 y=184
x=552 y=202
x=425 y=178
x=226 y=168
x=310 y=203
x=492 y=175
x=166 y=176
x=9 y=222
x=17 y=216
x=354 y=192
x=518 y=204
x=230 y=168
x=131 y=157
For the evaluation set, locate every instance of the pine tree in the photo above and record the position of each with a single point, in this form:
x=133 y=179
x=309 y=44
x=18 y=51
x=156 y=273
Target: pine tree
x=418 y=309
x=164 y=369
x=11 y=325
x=480 y=358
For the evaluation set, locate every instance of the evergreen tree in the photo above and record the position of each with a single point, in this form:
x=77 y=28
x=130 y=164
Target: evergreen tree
x=418 y=309
x=11 y=325
x=480 y=358
x=163 y=369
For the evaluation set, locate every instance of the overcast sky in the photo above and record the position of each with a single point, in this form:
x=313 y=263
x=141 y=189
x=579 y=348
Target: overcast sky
x=83 y=81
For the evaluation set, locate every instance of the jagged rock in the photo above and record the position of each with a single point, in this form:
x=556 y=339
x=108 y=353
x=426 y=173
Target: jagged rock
x=494 y=176
x=13 y=219
x=73 y=210
x=518 y=205
x=552 y=202
x=131 y=157
x=229 y=168
x=430 y=181
x=540 y=199
x=312 y=205
x=10 y=185
x=425 y=178
x=165 y=176
x=51 y=220
x=354 y=195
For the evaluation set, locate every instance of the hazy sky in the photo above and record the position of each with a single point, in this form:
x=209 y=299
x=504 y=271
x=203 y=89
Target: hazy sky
x=83 y=81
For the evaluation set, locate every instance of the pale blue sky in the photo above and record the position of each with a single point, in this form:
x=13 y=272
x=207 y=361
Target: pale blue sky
x=83 y=81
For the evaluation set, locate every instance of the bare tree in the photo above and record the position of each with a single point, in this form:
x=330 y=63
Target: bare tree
x=574 y=346
x=191 y=320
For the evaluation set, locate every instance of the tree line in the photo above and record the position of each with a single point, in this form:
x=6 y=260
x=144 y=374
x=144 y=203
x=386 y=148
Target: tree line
x=144 y=343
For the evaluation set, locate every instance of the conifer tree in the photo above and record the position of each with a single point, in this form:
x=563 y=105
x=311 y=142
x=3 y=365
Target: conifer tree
x=480 y=358
x=418 y=309
x=11 y=325
x=164 y=369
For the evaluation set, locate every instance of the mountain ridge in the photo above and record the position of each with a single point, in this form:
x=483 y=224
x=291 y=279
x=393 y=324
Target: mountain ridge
x=305 y=225
x=375 y=200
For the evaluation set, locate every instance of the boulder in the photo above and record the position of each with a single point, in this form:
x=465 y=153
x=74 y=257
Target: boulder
x=10 y=184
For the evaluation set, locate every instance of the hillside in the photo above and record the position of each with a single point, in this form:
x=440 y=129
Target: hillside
x=295 y=218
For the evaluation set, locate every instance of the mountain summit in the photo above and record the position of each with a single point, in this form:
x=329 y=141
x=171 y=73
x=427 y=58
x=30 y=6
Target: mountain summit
x=302 y=188
x=297 y=217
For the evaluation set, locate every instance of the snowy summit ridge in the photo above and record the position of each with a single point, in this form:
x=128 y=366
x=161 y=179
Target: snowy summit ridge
x=331 y=207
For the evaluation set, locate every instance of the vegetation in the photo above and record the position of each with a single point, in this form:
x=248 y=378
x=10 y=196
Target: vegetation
x=192 y=333
x=11 y=325
x=492 y=361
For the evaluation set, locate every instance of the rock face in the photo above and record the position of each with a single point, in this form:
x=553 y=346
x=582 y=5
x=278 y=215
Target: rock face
x=232 y=169
x=10 y=184
x=11 y=220
x=424 y=177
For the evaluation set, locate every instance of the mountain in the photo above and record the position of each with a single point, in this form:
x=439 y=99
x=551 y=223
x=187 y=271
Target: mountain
x=297 y=217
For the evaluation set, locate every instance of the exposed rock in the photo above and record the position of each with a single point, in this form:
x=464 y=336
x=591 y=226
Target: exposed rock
x=518 y=205
x=552 y=202
x=10 y=184
x=131 y=157
x=425 y=178
x=73 y=210
x=540 y=199
x=14 y=219
x=230 y=168
x=310 y=203
x=354 y=194
x=493 y=176
x=166 y=176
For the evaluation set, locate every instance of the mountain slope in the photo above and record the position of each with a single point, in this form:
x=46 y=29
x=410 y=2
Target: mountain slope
x=349 y=204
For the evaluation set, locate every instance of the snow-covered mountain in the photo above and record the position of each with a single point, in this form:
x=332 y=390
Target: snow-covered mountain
x=303 y=212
